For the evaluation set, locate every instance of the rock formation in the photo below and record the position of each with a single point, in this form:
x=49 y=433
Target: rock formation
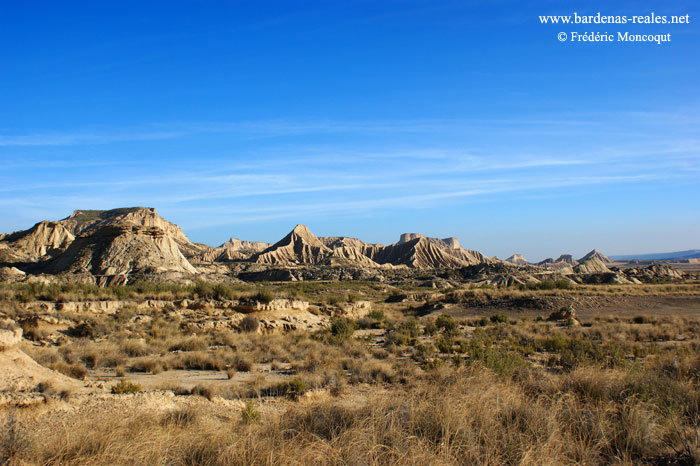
x=567 y=259
x=517 y=259
x=122 y=249
x=300 y=246
x=594 y=254
x=592 y=265
x=43 y=239
x=80 y=221
x=420 y=253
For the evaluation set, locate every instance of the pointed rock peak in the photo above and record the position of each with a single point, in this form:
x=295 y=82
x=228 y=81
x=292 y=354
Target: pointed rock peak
x=303 y=232
x=595 y=254
x=517 y=259
x=301 y=229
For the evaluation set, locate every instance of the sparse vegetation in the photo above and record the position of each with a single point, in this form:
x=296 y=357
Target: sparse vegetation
x=342 y=328
x=394 y=386
x=264 y=296
x=125 y=387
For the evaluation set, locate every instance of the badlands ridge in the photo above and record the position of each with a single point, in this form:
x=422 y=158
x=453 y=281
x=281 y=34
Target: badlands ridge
x=120 y=246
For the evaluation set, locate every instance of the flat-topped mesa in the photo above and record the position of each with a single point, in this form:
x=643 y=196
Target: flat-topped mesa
x=81 y=221
x=406 y=237
x=449 y=243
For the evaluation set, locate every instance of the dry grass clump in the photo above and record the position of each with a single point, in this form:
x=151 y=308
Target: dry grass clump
x=463 y=416
x=181 y=417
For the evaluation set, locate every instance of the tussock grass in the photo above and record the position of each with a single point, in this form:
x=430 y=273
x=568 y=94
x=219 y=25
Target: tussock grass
x=450 y=416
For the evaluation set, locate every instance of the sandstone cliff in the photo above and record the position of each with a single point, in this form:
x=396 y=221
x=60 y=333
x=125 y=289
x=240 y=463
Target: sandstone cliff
x=122 y=249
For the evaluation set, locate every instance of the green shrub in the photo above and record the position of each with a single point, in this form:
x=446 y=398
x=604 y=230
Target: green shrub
x=410 y=326
x=264 y=296
x=296 y=387
x=430 y=327
x=293 y=389
x=124 y=387
x=223 y=291
x=397 y=337
x=250 y=414
x=446 y=323
x=342 y=328
x=499 y=318
x=334 y=300
x=203 y=289
x=502 y=362
x=424 y=350
x=444 y=344
x=483 y=322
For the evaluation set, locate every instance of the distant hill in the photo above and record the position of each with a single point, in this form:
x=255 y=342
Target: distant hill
x=517 y=259
x=595 y=254
x=660 y=256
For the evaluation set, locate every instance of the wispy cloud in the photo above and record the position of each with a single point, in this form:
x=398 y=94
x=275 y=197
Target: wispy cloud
x=275 y=128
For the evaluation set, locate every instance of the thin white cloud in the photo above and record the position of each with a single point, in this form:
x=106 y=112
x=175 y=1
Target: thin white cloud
x=573 y=124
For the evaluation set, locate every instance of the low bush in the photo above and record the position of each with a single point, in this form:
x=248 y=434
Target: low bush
x=249 y=324
x=125 y=387
x=342 y=328
x=264 y=296
x=446 y=323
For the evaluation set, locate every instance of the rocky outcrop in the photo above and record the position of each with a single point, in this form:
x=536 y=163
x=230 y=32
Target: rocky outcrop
x=300 y=246
x=654 y=273
x=594 y=254
x=11 y=274
x=81 y=221
x=567 y=259
x=232 y=250
x=42 y=240
x=20 y=374
x=591 y=266
x=10 y=335
x=563 y=264
x=450 y=243
x=517 y=259
x=356 y=310
x=124 y=249
x=350 y=256
x=419 y=253
x=245 y=247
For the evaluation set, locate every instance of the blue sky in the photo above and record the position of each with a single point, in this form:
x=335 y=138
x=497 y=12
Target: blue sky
x=359 y=118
